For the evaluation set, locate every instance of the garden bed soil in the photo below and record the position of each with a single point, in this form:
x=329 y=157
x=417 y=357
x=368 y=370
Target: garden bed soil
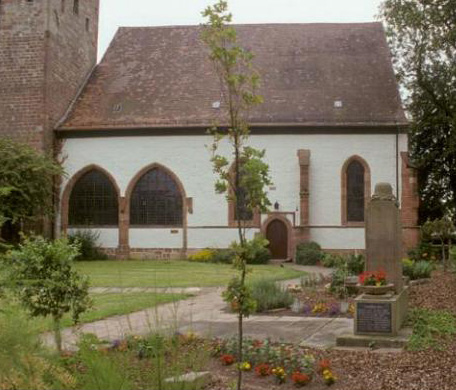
x=378 y=369
x=354 y=369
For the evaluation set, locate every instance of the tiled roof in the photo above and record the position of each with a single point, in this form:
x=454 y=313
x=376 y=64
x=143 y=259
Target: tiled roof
x=156 y=77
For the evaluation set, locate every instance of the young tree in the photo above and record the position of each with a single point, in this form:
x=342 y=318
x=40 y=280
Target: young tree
x=26 y=183
x=442 y=229
x=41 y=274
x=244 y=176
x=423 y=38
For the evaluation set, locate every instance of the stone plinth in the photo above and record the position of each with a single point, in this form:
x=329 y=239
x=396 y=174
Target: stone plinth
x=380 y=315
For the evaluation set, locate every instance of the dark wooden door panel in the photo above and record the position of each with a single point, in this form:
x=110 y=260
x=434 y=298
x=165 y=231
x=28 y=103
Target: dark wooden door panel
x=276 y=233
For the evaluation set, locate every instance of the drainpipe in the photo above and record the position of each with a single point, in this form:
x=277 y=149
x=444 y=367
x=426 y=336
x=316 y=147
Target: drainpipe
x=397 y=162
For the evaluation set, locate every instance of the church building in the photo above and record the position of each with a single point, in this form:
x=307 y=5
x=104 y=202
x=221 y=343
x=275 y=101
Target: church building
x=131 y=132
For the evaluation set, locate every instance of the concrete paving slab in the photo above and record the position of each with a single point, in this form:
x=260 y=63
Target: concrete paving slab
x=326 y=336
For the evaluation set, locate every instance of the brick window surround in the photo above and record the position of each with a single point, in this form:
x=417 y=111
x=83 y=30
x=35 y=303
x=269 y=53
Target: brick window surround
x=367 y=189
x=125 y=221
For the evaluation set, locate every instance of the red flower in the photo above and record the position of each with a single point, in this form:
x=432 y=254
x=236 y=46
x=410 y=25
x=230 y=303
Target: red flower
x=257 y=344
x=263 y=369
x=300 y=379
x=324 y=365
x=372 y=278
x=227 y=359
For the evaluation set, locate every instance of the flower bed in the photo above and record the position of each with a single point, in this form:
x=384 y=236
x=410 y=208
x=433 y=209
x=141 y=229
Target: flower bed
x=281 y=363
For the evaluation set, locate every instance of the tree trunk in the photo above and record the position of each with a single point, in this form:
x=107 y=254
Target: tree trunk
x=444 y=262
x=57 y=333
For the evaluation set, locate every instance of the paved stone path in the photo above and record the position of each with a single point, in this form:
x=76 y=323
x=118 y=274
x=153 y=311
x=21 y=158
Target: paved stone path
x=206 y=314
x=169 y=290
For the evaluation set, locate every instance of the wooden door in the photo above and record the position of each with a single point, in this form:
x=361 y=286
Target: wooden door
x=277 y=235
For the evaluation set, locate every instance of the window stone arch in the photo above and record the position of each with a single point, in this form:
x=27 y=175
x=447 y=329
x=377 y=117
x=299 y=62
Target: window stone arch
x=355 y=191
x=156 y=197
x=90 y=198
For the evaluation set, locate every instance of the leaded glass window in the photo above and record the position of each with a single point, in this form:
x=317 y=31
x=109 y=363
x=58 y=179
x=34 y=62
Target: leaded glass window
x=355 y=192
x=156 y=200
x=93 y=201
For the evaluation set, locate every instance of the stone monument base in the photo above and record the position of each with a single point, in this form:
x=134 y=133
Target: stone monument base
x=380 y=315
x=358 y=341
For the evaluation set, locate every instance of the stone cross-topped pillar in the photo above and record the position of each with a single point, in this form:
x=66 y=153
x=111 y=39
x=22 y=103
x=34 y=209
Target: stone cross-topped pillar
x=384 y=235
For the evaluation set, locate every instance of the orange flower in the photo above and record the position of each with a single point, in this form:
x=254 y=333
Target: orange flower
x=300 y=379
x=227 y=359
x=324 y=365
x=263 y=369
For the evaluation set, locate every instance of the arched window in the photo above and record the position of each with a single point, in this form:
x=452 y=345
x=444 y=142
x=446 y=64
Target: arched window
x=355 y=190
x=156 y=200
x=93 y=201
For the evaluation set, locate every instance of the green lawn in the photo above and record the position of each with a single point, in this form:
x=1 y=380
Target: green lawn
x=105 y=305
x=173 y=273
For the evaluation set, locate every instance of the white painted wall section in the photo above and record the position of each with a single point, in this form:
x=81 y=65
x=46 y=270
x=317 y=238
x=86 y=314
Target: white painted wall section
x=156 y=238
x=215 y=238
x=188 y=157
x=338 y=238
x=108 y=238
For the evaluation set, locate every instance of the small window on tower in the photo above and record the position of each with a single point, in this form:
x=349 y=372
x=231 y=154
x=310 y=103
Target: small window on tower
x=62 y=6
x=87 y=24
x=76 y=7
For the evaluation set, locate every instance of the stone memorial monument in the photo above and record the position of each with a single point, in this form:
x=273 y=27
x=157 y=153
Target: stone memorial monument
x=384 y=314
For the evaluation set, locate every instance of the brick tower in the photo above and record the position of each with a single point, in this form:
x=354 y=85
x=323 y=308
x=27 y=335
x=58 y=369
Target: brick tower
x=47 y=50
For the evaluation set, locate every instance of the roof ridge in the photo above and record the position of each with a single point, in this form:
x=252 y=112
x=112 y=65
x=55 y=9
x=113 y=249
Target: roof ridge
x=273 y=24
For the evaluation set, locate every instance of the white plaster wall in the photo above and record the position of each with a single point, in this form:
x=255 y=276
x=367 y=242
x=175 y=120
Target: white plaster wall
x=155 y=238
x=216 y=238
x=338 y=238
x=188 y=158
x=108 y=237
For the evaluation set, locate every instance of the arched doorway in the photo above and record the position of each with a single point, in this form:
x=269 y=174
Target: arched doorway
x=277 y=235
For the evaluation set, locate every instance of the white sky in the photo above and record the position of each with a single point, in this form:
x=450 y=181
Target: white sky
x=116 y=13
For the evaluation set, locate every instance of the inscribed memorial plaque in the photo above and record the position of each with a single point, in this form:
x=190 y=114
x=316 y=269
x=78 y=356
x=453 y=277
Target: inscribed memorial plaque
x=373 y=317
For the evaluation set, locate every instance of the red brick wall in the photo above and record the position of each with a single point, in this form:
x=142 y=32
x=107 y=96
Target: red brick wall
x=409 y=205
x=45 y=56
x=22 y=70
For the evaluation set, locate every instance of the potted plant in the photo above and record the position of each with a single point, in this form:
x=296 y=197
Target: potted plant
x=374 y=283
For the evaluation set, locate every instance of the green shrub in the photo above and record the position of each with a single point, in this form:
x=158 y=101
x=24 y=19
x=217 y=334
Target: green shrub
x=260 y=253
x=41 y=274
x=329 y=261
x=407 y=267
x=223 y=256
x=269 y=295
x=355 y=264
x=89 y=250
x=337 y=286
x=203 y=256
x=309 y=253
x=417 y=269
x=422 y=269
x=424 y=251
